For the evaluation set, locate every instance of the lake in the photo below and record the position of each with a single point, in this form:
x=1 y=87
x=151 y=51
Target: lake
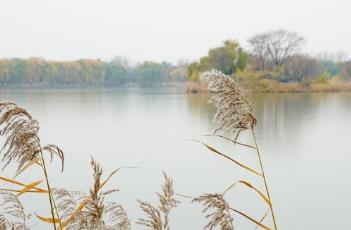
x=304 y=140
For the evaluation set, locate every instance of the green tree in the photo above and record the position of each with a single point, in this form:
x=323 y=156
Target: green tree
x=228 y=58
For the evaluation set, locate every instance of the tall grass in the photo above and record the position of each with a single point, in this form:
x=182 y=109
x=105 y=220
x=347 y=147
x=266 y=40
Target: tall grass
x=22 y=145
x=234 y=115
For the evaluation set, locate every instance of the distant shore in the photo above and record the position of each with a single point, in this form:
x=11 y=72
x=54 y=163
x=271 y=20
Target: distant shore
x=279 y=87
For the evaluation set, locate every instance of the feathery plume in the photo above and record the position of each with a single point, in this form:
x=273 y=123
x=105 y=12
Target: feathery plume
x=12 y=214
x=220 y=216
x=155 y=220
x=234 y=111
x=97 y=213
x=22 y=143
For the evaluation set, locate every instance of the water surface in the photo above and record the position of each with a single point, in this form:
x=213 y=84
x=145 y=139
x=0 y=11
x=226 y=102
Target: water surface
x=304 y=139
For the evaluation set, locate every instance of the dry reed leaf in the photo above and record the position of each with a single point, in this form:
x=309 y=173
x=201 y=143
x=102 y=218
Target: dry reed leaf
x=229 y=158
x=251 y=219
x=21 y=184
x=229 y=139
x=261 y=194
x=28 y=165
x=29 y=187
x=264 y=197
x=261 y=220
x=48 y=219
x=17 y=190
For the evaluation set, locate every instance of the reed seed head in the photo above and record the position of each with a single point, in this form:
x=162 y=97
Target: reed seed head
x=158 y=218
x=234 y=111
x=22 y=143
x=12 y=215
x=97 y=213
x=220 y=216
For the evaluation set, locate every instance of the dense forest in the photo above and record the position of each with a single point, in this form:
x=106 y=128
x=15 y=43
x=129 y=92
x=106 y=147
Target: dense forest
x=273 y=60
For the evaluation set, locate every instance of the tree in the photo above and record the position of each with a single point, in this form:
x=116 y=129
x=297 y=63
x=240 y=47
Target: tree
x=276 y=46
x=282 y=44
x=302 y=67
x=258 y=45
x=150 y=73
x=227 y=58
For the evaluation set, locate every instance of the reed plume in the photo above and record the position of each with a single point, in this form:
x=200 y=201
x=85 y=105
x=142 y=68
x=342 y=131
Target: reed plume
x=22 y=143
x=158 y=218
x=234 y=115
x=221 y=216
x=12 y=215
x=90 y=212
x=234 y=111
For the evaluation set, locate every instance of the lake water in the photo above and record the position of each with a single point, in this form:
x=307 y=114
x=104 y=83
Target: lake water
x=304 y=139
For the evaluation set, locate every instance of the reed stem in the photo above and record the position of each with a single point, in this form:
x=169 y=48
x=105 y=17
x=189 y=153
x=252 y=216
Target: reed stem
x=264 y=178
x=49 y=190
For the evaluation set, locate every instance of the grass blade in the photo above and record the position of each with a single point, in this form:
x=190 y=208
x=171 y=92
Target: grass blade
x=48 y=219
x=29 y=187
x=16 y=190
x=229 y=158
x=251 y=219
x=21 y=184
x=264 y=197
x=228 y=139
x=28 y=165
x=262 y=218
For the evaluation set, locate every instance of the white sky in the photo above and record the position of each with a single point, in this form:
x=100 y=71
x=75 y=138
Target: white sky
x=162 y=29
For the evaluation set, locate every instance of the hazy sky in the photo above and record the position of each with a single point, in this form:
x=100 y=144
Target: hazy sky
x=162 y=29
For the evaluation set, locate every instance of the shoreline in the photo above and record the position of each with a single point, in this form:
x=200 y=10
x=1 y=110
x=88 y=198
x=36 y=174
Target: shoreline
x=278 y=87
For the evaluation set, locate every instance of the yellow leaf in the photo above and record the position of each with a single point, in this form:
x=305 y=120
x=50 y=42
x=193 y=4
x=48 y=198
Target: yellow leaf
x=16 y=190
x=28 y=165
x=19 y=183
x=29 y=187
x=48 y=219
x=229 y=158
x=251 y=219
x=264 y=197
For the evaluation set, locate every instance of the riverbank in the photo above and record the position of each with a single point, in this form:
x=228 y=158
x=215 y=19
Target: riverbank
x=272 y=86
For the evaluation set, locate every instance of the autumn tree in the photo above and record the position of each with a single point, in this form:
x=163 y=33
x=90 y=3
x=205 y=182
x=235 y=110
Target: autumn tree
x=227 y=58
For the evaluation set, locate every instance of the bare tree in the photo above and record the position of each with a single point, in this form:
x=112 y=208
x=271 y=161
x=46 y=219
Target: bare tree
x=282 y=44
x=303 y=66
x=258 y=45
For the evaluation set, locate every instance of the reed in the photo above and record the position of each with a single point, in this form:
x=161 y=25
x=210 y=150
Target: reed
x=12 y=215
x=68 y=210
x=78 y=210
x=92 y=210
x=157 y=218
x=22 y=145
x=234 y=115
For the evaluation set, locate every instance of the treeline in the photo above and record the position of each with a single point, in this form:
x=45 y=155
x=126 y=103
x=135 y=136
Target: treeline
x=86 y=72
x=274 y=59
